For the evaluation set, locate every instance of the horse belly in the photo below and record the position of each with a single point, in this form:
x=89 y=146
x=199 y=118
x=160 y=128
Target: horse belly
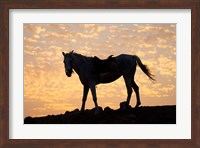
x=108 y=77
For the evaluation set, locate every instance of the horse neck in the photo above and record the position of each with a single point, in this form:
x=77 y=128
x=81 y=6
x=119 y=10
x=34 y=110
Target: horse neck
x=79 y=61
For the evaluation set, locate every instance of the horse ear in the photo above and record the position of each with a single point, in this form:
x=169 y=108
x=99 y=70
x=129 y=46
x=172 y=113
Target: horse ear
x=63 y=53
x=72 y=51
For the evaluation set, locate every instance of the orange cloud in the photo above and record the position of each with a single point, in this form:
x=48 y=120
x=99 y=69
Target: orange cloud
x=39 y=29
x=30 y=40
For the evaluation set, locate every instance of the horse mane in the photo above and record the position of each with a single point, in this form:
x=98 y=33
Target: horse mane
x=80 y=55
x=83 y=57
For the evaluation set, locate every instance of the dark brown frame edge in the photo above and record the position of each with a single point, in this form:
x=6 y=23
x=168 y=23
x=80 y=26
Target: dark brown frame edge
x=5 y=5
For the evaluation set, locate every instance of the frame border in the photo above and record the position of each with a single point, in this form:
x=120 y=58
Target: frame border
x=5 y=5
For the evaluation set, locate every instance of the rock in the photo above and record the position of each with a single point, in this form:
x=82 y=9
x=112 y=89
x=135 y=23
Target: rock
x=28 y=120
x=67 y=112
x=142 y=115
x=132 y=118
x=98 y=110
x=107 y=109
x=75 y=112
x=124 y=106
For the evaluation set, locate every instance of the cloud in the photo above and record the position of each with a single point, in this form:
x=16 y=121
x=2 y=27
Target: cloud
x=74 y=40
x=62 y=26
x=37 y=48
x=161 y=40
x=53 y=34
x=30 y=40
x=101 y=28
x=36 y=36
x=113 y=27
x=87 y=36
x=55 y=48
x=144 y=45
x=166 y=66
x=29 y=65
x=39 y=29
x=140 y=53
x=30 y=52
x=173 y=25
x=89 y=25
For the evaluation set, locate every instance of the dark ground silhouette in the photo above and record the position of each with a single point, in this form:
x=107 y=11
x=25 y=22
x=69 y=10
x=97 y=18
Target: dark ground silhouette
x=141 y=115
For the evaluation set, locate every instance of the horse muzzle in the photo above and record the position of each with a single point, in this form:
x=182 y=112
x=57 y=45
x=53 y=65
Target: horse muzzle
x=68 y=73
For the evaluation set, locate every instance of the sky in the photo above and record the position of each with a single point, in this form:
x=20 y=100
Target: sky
x=47 y=89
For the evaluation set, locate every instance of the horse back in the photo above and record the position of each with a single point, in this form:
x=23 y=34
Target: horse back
x=126 y=62
x=101 y=66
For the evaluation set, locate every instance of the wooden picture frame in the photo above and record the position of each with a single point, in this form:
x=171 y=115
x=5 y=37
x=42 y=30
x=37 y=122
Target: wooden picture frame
x=6 y=5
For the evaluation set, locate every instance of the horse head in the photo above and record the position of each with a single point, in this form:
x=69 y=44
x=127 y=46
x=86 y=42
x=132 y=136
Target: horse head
x=68 y=63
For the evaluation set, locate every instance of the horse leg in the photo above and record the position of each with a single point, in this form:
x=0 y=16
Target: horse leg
x=85 y=93
x=129 y=89
x=136 y=89
x=93 y=90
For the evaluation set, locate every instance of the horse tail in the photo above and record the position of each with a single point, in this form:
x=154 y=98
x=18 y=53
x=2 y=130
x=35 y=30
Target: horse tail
x=144 y=68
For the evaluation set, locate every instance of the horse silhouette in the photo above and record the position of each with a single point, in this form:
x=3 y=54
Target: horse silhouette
x=93 y=71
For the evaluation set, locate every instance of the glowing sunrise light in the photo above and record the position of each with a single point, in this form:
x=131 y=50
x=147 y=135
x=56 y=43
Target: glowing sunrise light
x=47 y=89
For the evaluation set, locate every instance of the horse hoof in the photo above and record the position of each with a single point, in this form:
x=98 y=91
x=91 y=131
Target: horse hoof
x=137 y=105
